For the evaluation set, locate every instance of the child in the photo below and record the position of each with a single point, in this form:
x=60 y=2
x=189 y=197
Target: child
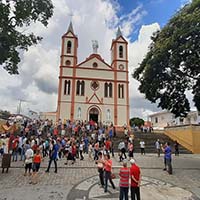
x=36 y=166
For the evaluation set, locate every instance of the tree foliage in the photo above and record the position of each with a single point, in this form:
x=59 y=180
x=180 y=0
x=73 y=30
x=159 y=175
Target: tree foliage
x=172 y=65
x=136 y=121
x=15 y=16
x=4 y=114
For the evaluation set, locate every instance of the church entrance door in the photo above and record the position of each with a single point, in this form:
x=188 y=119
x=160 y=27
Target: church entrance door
x=94 y=114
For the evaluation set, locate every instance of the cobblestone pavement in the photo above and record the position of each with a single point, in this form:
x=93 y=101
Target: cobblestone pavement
x=79 y=181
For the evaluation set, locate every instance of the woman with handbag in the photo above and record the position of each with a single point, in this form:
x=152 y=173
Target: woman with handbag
x=108 y=171
x=100 y=168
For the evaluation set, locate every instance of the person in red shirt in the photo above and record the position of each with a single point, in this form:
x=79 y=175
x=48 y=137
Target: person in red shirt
x=124 y=181
x=37 y=158
x=108 y=169
x=108 y=145
x=55 y=131
x=15 y=145
x=135 y=176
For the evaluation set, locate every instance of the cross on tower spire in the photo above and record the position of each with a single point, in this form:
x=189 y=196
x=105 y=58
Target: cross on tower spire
x=70 y=28
x=119 y=33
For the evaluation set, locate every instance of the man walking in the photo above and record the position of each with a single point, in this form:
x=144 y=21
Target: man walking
x=53 y=156
x=135 y=176
x=168 y=157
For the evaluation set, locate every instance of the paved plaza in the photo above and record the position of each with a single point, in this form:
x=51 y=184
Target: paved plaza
x=80 y=181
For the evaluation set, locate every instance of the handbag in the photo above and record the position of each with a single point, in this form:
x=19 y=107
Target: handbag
x=113 y=176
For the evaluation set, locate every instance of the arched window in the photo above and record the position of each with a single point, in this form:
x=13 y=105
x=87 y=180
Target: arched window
x=121 y=51
x=108 y=90
x=67 y=87
x=108 y=115
x=69 y=47
x=79 y=113
x=121 y=91
x=80 y=88
x=68 y=62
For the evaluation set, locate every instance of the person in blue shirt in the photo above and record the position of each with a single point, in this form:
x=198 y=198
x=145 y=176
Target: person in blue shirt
x=111 y=133
x=86 y=142
x=167 y=157
x=53 y=156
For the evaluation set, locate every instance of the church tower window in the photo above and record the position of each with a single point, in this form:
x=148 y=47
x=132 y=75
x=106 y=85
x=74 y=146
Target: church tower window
x=80 y=88
x=108 y=90
x=67 y=87
x=68 y=62
x=121 y=51
x=121 y=91
x=69 y=47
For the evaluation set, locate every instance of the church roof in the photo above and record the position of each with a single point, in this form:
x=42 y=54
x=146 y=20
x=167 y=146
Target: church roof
x=97 y=56
x=70 y=28
x=118 y=37
x=119 y=33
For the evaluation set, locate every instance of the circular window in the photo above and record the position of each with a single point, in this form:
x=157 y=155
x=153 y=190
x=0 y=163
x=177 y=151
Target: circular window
x=68 y=62
x=95 y=85
x=95 y=64
x=121 y=67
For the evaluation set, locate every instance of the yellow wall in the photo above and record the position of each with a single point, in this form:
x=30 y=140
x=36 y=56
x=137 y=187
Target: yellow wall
x=188 y=136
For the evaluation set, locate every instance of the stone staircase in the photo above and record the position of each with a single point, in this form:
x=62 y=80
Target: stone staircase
x=149 y=139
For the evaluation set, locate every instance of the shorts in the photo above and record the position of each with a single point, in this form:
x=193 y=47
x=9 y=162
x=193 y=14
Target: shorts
x=36 y=167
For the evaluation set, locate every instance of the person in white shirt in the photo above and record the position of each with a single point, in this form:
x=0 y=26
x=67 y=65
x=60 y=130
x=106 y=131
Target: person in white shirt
x=158 y=147
x=28 y=160
x=81 y=150
x=142 y=147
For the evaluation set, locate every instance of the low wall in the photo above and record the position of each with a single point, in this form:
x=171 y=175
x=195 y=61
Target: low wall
x=186 y=135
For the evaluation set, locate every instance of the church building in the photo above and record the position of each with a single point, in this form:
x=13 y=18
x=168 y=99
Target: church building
x=93 y=89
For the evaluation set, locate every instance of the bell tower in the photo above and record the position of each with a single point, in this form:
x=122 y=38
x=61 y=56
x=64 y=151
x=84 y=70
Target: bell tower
x=69 y=48
x=119 y=64
x=68 y=61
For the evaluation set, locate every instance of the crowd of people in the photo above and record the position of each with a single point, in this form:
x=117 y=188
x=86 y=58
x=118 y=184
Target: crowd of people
x=71 y=141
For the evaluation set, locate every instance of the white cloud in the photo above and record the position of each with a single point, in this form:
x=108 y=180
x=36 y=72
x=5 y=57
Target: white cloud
x=39 y=68
x=137 y=51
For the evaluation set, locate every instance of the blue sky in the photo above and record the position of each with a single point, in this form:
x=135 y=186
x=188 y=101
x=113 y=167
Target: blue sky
x=92 y=20
x=159 y=11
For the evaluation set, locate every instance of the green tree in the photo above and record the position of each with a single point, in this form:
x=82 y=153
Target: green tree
x=172 y=67
x=15 y=16
x=136 y=121
x=4 y=114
